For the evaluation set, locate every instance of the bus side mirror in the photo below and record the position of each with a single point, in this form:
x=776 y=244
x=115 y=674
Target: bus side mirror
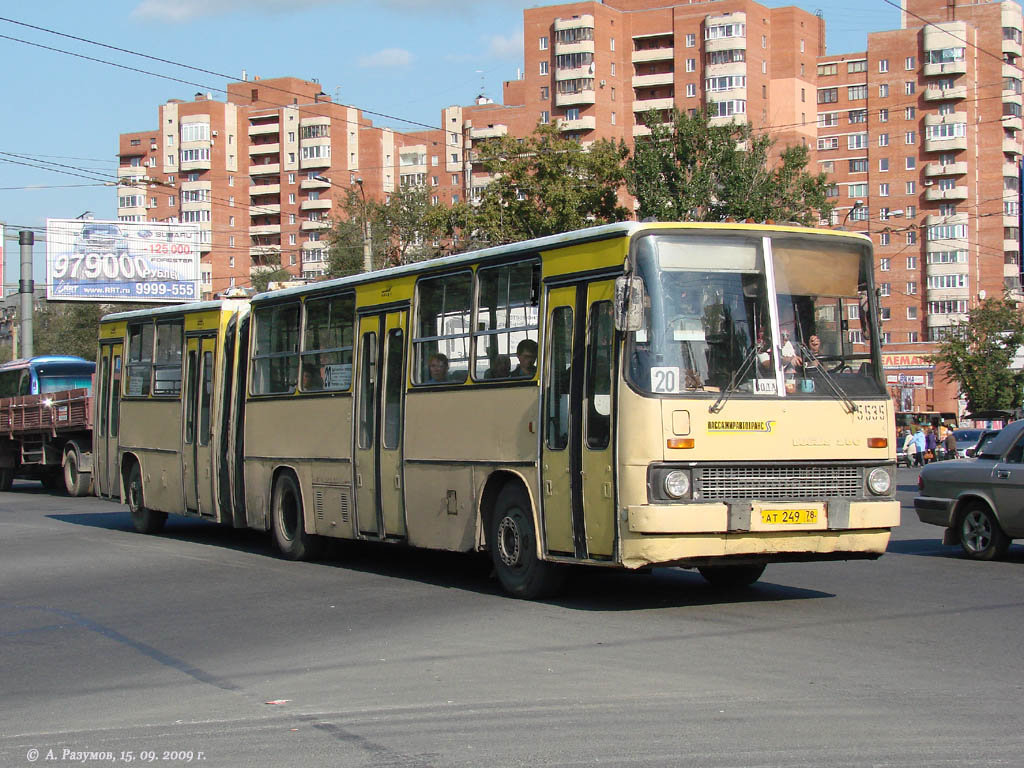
x=629 y=303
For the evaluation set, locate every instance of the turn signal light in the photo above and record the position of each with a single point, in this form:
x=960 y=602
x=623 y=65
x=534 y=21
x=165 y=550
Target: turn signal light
x=680 y=442
x=878 y=442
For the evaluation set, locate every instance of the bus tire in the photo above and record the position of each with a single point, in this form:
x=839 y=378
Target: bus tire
x=731 y=576
x=76 y=482
x=513 y=544
x=287 y=519
x=145 y=520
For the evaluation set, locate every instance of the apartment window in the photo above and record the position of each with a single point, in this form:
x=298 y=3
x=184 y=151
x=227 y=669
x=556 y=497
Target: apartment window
x=911 y=187
x=911 y=262
x=883 y=190
x=884 y=289
x=858 y=190
x=828 y=95
x=911 y=313
x=545 y=117
x=883 y=163
x=883 y=90
x=909 y=113
x=911 y=288
x=911 y=237
x=291 y=239
x=691 y=90
x=827 y=69
x=764 y=41
x=611 y=44
x=728 y=108
x=859 y=165
x=802 y=46
x=291 y=198
x=947 y=209
x=883 y=214
x=691 y=65
x=832 y=190
x=886 y=337
x=291 y=218
x=883 y=65
x=195 y=132
x=883 y=264
x=828 y=119
x=858 y=115
x=909 y=87
x=613 y=69
x=856 y=92
x=545 y=93
x=455 y=178
x=883 y=239
x=912 y=336
x=911 y=163
x=854 y=66
x=543 y=67
x=543 y=43
x=231 y=220
x=885 y=312
x=857 y=141
x=946 y=108
x=945 y=131
x=909 y=63
x=691 y=40
x=883 y=115
x=195 y=155
x=828 y=166
x=910 y=137
x=613 y=118
x=883 y=139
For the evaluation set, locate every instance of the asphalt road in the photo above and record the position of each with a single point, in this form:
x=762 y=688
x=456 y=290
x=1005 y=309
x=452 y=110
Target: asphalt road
x=201 y=641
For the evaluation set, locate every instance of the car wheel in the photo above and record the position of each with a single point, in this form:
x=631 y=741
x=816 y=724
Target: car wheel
x=145 y=520
x=513 y=545
x=731 y=576
x=980 y=534
x=288 y=521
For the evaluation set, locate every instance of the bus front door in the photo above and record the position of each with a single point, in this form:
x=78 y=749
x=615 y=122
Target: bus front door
x=379 y=404
x=577 y=479
x=197 y=446
x=106 y=425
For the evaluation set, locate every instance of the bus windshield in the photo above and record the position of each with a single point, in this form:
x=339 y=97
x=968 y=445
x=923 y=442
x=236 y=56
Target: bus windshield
x=711 y=321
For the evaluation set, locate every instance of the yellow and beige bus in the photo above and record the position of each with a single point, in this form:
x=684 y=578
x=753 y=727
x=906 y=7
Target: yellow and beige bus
x=633 y=395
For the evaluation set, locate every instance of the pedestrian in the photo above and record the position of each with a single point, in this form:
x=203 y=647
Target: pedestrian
x=950 y=444
x=910 y=448
x=920 y=444
x=930 y=444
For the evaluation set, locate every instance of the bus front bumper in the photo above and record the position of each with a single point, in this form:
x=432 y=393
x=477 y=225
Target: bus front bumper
x=698 y=534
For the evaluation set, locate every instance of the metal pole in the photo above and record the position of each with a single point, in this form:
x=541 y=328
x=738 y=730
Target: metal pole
x=26 y=287
x=367 y=246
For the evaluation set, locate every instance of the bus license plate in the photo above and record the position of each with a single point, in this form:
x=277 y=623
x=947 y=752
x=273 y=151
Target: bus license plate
x=768 y=516
x=789 y=516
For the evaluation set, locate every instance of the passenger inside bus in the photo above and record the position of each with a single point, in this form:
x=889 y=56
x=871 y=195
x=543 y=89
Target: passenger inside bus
x=312 y=381
x=501 y=368
x=527 y=354
x=438 y=368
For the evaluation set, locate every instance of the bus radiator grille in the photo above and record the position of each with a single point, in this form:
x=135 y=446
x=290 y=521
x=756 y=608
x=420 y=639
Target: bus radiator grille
x=778 y=482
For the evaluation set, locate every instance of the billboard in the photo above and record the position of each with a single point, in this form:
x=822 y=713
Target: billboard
x=145 y=261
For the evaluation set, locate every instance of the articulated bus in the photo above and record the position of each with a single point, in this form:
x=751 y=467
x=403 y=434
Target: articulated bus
x=697 y=395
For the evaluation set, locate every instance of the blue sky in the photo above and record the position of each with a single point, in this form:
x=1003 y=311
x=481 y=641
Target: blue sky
x=407 y=58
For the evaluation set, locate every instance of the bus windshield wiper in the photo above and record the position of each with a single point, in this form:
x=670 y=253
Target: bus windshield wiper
x=719 y=404
x=851 y=407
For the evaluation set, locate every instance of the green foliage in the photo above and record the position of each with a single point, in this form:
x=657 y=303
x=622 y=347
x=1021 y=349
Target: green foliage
x=978 y=357
x=691 y=170
x=402 y=229
x=70 y=328
x=544 y=184
x=272 y=272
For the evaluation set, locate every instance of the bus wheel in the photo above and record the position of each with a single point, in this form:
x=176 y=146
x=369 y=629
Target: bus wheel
x=145 y=520
x=289 y=532
x=731 y=576
x=514 y=549
x=76 y=483
x=6 y=478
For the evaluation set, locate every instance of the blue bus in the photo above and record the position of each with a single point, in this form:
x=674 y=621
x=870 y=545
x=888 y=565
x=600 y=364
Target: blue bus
x=46 y=373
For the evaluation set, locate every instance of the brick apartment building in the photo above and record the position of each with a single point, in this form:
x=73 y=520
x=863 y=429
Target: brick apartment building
x=920 y=136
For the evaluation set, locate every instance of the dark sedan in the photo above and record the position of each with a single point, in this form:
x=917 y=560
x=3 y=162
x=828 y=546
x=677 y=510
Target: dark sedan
x=979 y=501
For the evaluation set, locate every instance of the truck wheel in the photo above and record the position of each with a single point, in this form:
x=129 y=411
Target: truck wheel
x=513 y=545
x=6 y=478
x=76 y=482
x=144 y=520
x=289 y=532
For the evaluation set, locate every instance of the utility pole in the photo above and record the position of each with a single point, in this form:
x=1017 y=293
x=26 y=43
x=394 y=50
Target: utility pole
x=367 y=242
x=26 y=287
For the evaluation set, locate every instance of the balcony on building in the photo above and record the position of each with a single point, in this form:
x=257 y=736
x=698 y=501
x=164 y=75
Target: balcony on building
x=317 y=183
x=945 y=143
x=135 y=210
x=1012 y=121
x=950 y=169
x=934 y=93
x=573 y=31
x=651 y=81
x=315 y=162
x=256 y=230
x=585 y=123
x=312 y=226
x=942 y=320
x=322 y=204
x=934 y=194
x=933 y=219
x=256 y=190
x=643 y=105
x=1011 y=146
x=264 y=149
x=492 y=131
x=725 y=69
x=264 y=209
x=724 y=42
x=944 y=49
x=264 y=129
x=195 y=165
x=263 y=251
x=1011 y=244
x=584 y=96
x=656 y=47
x=1010 y=220
x=264 y=169
x=1012 y=45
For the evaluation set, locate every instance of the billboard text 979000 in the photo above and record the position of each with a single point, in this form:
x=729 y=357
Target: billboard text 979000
x=88 y=260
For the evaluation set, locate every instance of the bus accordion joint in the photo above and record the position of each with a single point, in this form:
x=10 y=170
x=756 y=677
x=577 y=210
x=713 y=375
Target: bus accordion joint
x=878 y=442
x=680 y=442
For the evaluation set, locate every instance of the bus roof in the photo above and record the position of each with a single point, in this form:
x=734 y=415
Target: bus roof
x=43 y=360
x=174 y=309
x=603 y=232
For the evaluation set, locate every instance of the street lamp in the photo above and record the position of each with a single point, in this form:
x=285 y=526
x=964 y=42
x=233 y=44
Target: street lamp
x=367 y=243
x=857 y=205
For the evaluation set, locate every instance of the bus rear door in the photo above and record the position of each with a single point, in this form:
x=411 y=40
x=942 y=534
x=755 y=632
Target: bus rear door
x=197 y=446
x=107 y=421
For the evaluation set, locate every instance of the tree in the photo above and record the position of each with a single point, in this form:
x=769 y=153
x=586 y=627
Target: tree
x=70 y=328
x=544 y=184
x=403 y=230
x=691 y=170
x=271 y=272
x=978 y=356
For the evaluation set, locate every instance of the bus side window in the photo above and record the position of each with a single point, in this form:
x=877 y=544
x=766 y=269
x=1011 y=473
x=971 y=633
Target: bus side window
x=557 y=396
x=599 y=375
x=25 y=383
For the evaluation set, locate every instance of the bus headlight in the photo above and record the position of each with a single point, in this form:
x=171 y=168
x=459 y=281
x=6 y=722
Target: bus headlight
x=677 y=483
x=879 y=481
